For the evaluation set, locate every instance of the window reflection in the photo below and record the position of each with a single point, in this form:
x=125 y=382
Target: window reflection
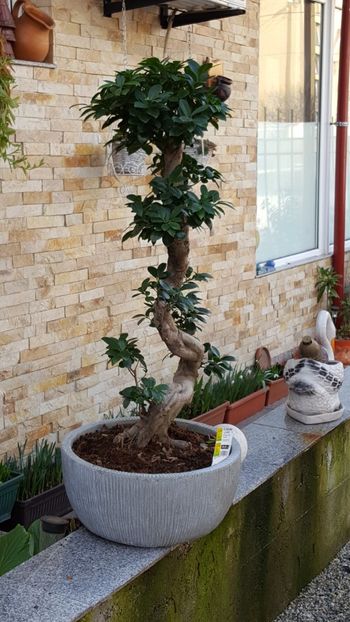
x=288 y=131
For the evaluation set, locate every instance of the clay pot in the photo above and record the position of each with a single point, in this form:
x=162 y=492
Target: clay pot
x=32 y=32
x=222 y=87
x=342 y=350
x=245 y=407
x=276 y=390
x=215 y=416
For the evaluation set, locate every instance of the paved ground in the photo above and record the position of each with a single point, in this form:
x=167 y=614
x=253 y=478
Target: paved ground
x=326 y=598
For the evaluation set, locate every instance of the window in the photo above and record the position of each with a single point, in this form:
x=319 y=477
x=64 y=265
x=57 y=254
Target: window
x=291 y=33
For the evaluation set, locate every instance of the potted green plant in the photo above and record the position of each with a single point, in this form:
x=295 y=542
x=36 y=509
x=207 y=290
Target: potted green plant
x=41 y=490
x=326 y=286
x=11 y=152
x=326 y=283
x=9 y=482
x=277 y=387
x=208 y=404
x=157 y=468
x=246 y=392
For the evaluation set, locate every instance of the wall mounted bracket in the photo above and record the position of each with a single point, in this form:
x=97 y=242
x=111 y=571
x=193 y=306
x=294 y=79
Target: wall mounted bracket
x=184 y=17
x=195 y=17
x=116 y=7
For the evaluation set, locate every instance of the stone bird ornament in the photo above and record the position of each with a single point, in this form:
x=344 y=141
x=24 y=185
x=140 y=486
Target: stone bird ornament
x=310 y=349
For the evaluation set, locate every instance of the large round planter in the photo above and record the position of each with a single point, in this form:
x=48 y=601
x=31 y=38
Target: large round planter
x=149 y=510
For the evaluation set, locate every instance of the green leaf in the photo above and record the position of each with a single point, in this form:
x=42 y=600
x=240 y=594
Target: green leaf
x=153 y=271
x=15 y=548
x=35 y=531
x=154 y=91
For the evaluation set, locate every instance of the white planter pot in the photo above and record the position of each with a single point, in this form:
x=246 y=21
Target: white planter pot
x=150 y=510
x=124 y=163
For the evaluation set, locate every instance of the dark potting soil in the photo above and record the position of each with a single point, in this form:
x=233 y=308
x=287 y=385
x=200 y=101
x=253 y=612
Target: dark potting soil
x=98 y=448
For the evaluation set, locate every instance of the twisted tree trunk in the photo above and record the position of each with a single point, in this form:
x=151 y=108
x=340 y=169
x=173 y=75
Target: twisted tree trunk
x=189 y=350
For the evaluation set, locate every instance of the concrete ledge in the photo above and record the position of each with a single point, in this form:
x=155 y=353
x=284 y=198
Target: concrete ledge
x=290 y=517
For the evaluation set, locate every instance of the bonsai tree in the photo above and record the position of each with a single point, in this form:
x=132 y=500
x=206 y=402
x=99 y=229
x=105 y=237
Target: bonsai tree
x=160 y=107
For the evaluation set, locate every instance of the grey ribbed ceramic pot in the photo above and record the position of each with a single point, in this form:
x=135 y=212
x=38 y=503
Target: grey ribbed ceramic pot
x=142 y=509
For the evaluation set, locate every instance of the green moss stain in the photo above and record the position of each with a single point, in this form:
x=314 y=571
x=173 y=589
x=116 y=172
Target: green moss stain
x=269 y=546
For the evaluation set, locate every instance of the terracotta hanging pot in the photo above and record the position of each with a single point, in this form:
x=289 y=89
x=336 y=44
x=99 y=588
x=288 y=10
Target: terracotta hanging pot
x=32 y=32
x=222 y=86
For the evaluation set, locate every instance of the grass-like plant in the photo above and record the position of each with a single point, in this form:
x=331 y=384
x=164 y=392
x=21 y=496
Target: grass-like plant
x=161 y=107
x=5 y=473
x=41 y=469
x=232 y=387
x=11 y=152
x=274 y=372
x=243 y=382
x=206 y=396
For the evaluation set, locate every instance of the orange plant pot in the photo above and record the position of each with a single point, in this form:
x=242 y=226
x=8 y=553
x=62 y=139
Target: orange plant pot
x=32 y=32
x=276 y=390
x=246 y=407
x=342 y=350
x=215 y=416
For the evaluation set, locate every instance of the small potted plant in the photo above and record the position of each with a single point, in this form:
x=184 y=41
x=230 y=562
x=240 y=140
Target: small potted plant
x=9 y=482
x=41 y=491
x=11 y=152
x=326 y=283
x=246 y=392
x=277 y=387
x=150 y=481
x=208 y=404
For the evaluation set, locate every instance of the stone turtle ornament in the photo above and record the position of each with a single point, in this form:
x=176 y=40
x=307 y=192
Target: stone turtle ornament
x=313 y=390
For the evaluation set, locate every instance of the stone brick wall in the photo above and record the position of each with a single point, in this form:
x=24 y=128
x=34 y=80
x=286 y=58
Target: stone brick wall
x=66 y=279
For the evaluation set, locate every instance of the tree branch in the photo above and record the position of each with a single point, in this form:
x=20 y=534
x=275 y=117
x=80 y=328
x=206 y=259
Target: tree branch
x=189 y=350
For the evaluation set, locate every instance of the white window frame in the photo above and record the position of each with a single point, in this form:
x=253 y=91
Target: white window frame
x=323 y=248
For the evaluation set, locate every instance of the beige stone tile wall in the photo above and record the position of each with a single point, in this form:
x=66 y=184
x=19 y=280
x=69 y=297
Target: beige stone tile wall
x=66 y=279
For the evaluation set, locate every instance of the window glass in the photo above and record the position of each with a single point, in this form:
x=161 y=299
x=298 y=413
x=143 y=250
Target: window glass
x=335 y=69
x=288 y=128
